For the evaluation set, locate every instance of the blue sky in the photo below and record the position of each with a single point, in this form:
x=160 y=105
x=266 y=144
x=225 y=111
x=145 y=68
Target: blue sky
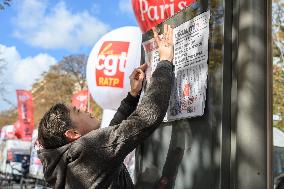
x=35 y=34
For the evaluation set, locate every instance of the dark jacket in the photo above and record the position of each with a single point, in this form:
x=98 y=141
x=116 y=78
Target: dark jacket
x=96 y=159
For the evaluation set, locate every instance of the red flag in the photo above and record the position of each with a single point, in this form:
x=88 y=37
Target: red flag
x=80 y=100
x=25 y=115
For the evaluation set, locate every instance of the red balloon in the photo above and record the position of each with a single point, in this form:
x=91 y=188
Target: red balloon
x=149 y=13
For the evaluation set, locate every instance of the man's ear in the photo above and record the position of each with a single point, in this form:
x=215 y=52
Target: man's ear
x=72 y=134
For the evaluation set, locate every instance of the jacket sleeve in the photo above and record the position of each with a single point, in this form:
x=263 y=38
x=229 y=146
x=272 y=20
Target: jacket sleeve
x=127 y=106
x=112 y=144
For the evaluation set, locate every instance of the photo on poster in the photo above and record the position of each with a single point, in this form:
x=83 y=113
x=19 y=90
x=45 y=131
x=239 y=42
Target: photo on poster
x=191 y=34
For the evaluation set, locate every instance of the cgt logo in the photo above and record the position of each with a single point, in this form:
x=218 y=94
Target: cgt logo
x=111 y=64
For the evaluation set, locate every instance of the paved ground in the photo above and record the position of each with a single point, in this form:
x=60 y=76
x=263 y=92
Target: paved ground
x=29 y=184
x=18 y=186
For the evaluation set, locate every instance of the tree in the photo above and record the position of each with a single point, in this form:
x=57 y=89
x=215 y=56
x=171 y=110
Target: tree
x=278 y=91
x=278 y=28
x=2 y=66
x=55 y=86
x=3 y=83
x=4 y=4
x=58 y=85
x=76 y=66
x=8 y=117
x=278 y=50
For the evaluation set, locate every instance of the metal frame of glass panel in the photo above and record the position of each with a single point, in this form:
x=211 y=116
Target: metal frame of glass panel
x=230 y=146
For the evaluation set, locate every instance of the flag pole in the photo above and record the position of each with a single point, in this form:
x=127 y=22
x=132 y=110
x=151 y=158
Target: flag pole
x=88 y=101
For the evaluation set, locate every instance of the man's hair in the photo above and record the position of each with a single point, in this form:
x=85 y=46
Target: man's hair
x=53 y=125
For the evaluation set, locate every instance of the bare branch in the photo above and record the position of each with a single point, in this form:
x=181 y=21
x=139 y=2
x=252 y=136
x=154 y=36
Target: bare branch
x=76 y=66
x=4 y=3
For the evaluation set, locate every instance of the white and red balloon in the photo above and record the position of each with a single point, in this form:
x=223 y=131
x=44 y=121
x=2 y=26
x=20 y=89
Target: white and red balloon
x=110 y=63
x=149 y=13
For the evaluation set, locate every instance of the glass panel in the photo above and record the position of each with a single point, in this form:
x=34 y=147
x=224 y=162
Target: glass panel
x=278 y=161
x=278 y=89
x=186 y=153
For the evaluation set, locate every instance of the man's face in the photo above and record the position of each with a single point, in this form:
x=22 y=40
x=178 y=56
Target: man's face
x=83 y=121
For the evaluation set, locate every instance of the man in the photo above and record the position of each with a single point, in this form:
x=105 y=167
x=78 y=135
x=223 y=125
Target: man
x=78 y=154
x=25 y=166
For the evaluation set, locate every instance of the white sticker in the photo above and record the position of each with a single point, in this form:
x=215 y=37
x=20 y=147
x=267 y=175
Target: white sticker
x=191 y=69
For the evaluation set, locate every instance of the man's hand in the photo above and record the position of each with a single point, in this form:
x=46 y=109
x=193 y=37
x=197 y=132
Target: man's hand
x=136 y=80
x=165 y=43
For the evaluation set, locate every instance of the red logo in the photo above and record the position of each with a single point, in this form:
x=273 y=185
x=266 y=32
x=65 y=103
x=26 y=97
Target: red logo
x=149 y=13
x=186 y=90
x=80 y=100
x=111 y=64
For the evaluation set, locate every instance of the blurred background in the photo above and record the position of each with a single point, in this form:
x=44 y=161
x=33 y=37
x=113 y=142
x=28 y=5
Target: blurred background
x=44 y=48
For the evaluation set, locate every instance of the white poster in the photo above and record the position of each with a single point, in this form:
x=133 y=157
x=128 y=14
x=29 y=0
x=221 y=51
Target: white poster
x=191 y=69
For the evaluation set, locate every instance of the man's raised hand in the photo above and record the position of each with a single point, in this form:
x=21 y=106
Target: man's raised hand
x=136 y=80
x=165 y=43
